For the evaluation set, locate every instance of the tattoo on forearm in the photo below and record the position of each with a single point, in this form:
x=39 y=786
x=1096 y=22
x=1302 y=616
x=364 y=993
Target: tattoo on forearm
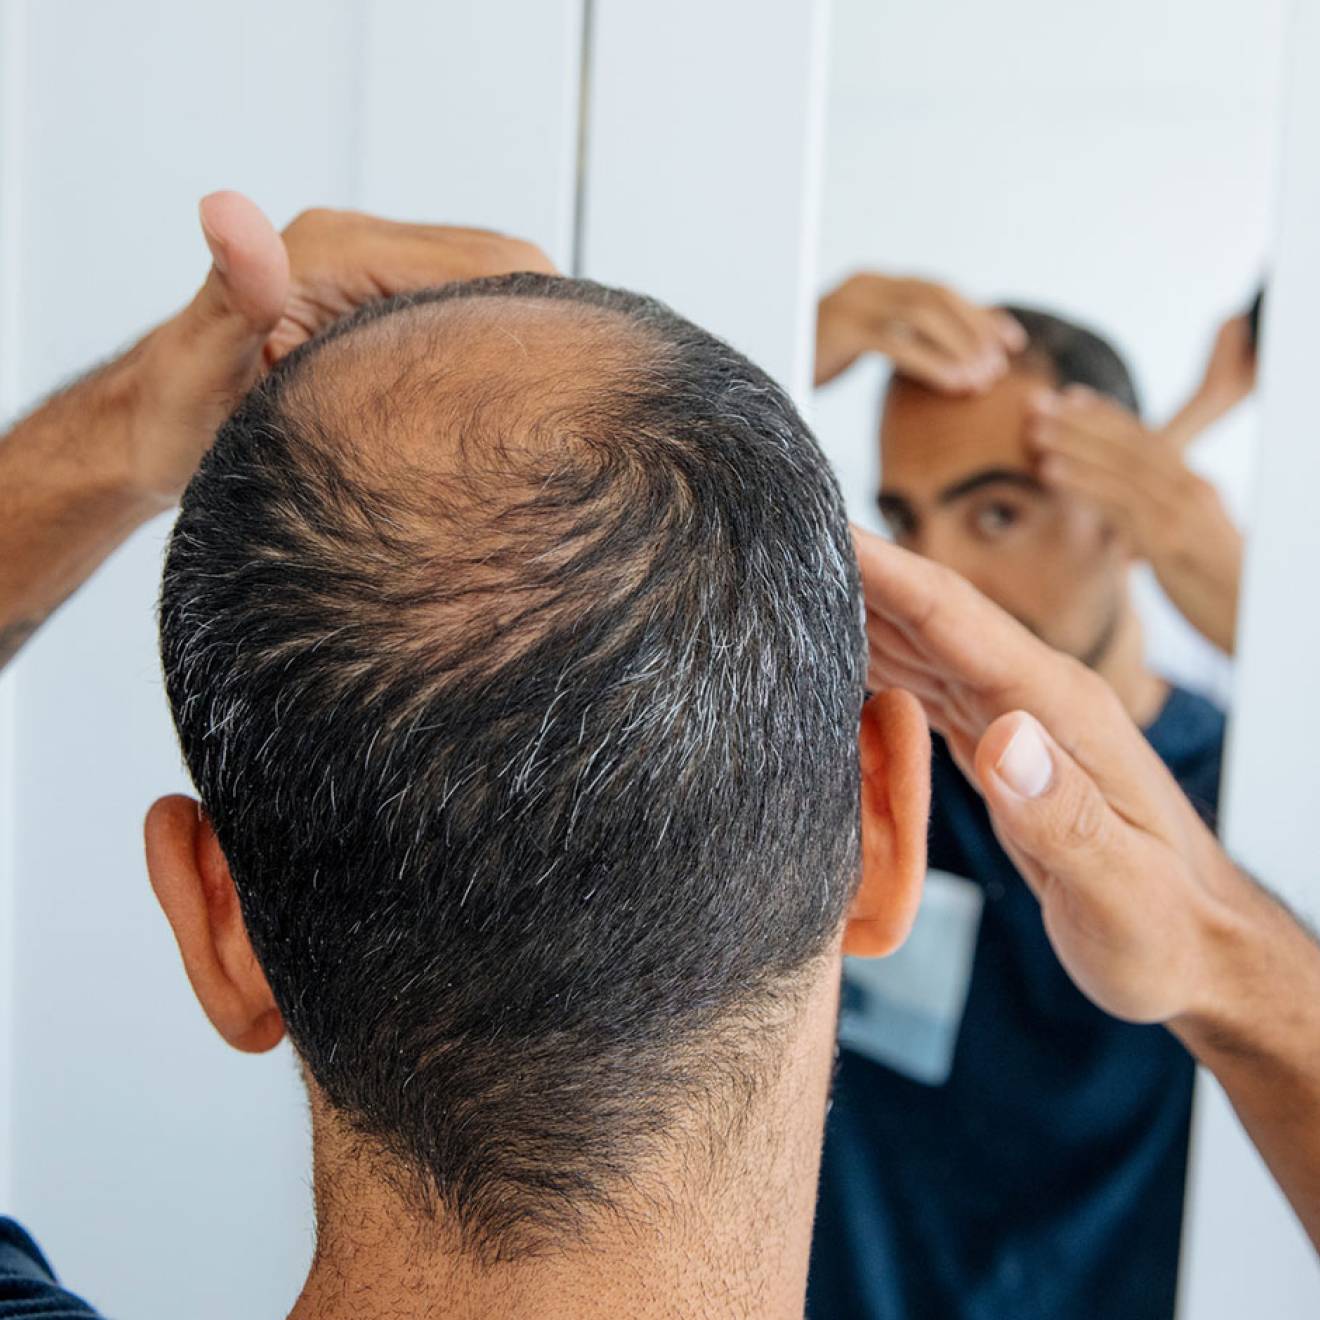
x=13 y=636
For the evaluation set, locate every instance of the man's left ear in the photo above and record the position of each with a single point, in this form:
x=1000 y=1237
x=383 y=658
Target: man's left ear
x=191 y=878
x=895 y=758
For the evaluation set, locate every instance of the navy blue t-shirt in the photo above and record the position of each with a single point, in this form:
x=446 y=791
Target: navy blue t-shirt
x=28 y=1287
x=1044 y=1179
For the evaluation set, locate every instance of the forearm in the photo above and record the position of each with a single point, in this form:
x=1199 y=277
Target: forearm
x=1197 y=415
x=68 y=496
x=1197 y=558
x=1261 y=1038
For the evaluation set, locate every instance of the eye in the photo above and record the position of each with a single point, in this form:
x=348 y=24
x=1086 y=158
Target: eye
x=992 y=520
x=899 y=522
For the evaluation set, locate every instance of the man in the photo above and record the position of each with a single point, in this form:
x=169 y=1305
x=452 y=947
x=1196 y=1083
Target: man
x=719 y=1196
x=1037 y=1169
x=508 y=627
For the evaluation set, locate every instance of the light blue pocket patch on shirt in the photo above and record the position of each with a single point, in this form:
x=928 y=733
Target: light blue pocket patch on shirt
x=904 y=1011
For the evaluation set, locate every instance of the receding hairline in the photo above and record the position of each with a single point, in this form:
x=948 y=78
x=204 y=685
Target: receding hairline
x=518 y=358
x=512 y=325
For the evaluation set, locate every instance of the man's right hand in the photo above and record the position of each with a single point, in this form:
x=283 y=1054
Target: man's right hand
x=929 y=332
x=1131 y=883
x=1144 y=909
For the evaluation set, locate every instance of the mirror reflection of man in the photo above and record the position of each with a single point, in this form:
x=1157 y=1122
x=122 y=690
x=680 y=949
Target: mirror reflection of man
x=1041 y=1174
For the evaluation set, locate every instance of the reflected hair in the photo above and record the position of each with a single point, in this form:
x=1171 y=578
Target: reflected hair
x=1074 y=354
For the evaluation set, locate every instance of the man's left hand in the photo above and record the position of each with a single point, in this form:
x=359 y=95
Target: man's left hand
x=267 y=293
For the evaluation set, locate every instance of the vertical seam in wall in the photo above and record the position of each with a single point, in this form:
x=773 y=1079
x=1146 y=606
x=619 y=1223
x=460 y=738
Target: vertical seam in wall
x=1283 y=130
x=360 y=26
x=813 y=149
x=13 y=49
x=580 y=176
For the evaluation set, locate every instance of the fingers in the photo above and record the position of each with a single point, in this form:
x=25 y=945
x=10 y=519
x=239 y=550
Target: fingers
x=1009 y=330
x=244 y=293
x=941 y=615
x=1077 y=420
x=930 y=631
x=932 y=365
x=342 y=259
x=960 y=331
x=1091 y=446
x=991 y=333
x=1049 y=808
x=196 y=366
x=963 y=344
x=930 y=332
x=1089 y=481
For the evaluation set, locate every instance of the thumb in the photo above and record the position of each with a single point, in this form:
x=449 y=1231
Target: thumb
x=199 y=363
x=245 y=292
x=1048 y=810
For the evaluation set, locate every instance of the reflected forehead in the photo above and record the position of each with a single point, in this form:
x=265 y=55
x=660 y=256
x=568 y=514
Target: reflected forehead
x=930 y=442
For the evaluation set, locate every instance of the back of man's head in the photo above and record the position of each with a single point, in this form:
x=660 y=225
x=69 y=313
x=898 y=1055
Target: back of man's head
x=512 y=637
x=1073 y=354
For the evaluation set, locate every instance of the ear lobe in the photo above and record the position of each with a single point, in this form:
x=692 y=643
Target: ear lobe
x=191 y=879
x=895 y=810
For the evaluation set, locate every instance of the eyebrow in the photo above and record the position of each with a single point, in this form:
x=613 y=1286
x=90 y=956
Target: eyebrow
x=990 y=477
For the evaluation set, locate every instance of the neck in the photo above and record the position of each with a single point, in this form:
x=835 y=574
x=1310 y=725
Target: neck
x=1122 y=664
x=718 y=1229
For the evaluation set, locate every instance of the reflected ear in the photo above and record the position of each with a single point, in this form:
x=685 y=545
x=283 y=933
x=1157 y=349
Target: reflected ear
x=895 y=759
x=196 y=892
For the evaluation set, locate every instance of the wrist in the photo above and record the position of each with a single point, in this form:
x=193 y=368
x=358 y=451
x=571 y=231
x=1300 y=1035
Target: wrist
x=1177 y=530
x=1213 y=401
x=138 y=393
x=1247 y=943
x=83 y=439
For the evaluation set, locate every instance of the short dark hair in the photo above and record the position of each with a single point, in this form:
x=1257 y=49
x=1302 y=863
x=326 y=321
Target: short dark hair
x=537 y=778
x=1074 y=354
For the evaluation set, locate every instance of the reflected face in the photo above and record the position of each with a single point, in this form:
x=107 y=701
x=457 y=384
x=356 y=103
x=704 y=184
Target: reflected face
x=959 y=486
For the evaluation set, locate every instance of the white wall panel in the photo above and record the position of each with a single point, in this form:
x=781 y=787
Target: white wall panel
x=147 y=1156
x=703 y=152
x=471 y=115
x=165 y=1174
x=12 y=46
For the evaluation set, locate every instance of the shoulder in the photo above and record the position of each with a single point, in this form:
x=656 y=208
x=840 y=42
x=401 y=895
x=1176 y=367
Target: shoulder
x=1188 y=727
x=28 y=1286
x=1188 y=734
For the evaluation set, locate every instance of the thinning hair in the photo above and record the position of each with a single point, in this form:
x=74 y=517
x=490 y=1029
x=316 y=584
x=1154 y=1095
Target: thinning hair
x=526 y=719
x=1074 y=354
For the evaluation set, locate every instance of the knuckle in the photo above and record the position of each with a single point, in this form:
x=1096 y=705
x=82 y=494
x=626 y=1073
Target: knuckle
x=313 y=220
x=1084 y=822
x=530 y=256
x=514 y=254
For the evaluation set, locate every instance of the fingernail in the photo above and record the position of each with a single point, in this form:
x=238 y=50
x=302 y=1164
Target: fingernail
x=1025 y=765
x=217 y=250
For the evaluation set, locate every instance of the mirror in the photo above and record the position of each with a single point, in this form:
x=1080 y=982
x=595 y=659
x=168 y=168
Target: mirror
x=1043 y=239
